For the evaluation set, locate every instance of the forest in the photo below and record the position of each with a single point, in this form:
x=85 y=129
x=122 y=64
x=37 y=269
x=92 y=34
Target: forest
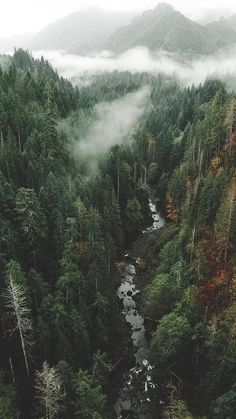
x=66 y=218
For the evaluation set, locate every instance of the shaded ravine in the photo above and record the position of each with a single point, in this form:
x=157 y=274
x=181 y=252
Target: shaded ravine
x=136 y=394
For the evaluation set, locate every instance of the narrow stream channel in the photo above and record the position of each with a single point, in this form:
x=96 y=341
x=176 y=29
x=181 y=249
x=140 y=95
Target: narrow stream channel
x=136 y=395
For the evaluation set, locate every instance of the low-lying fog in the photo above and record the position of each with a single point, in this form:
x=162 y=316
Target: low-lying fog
x=112 y=122
x=140 y=60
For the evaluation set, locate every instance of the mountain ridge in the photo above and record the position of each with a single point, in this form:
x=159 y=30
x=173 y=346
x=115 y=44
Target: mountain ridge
x=167 y=29
x=82 y=31
x=229 y=23
x=162 y=28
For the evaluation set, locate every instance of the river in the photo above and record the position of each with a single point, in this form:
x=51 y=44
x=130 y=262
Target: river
x=136 y=394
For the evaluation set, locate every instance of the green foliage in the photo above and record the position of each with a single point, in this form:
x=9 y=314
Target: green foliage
x=194 y=341
x=32 y=219
x=172 y=336
x=225 y=405
x=162 y=294
x=89 y=399
x=133 y=214
x=64 y=229
x=5 y=408
x=7 y=400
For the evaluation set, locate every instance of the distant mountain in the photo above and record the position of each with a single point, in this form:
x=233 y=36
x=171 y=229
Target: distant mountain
x=166 y=29
x=231 y=21
x=223 y=23
x=18 y=41
x=213 y=14
x=222 y=32
x=162 y=28
x=79 y=32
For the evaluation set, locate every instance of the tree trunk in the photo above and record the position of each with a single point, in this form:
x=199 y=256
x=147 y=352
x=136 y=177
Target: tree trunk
x=135 y=173
x=19 y=141
x=12 y=371
x=1 y=135
x=228 y=233
x=118 y=177
x=15 y=304
x=193 y=241
x=145 y=175
x=24 y=350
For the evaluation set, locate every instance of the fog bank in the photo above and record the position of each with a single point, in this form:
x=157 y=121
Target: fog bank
x=141 y=60
x=110 y=124
x=113 y=122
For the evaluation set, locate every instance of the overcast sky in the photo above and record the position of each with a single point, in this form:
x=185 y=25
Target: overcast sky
x=21 y=16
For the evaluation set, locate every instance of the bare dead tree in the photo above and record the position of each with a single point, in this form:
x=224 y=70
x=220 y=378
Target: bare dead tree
x=16 y=301
x=49 y=389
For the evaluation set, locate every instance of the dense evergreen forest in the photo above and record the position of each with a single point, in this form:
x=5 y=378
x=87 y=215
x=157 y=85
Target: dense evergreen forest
x=64 y=343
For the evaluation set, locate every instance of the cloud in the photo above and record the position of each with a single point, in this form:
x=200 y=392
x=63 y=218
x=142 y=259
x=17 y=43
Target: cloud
x=109 y=124
x=142 y=60
x=114 y=121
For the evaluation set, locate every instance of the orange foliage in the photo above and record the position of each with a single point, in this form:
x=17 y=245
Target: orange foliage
x=170 y=210
x=119 y=266
x=219 y=276
x=140 y=264
x=208 y=290
x=206 y=242
x=216 y=163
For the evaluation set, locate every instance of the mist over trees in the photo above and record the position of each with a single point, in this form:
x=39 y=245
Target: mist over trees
x=67 y=216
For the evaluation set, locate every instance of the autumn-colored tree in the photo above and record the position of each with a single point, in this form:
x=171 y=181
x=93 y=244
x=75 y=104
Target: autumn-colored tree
x=225 y=228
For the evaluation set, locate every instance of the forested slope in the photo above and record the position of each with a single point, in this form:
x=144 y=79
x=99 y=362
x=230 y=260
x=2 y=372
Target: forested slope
x=61 y=231
x=63 y=340
x=190 y=150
